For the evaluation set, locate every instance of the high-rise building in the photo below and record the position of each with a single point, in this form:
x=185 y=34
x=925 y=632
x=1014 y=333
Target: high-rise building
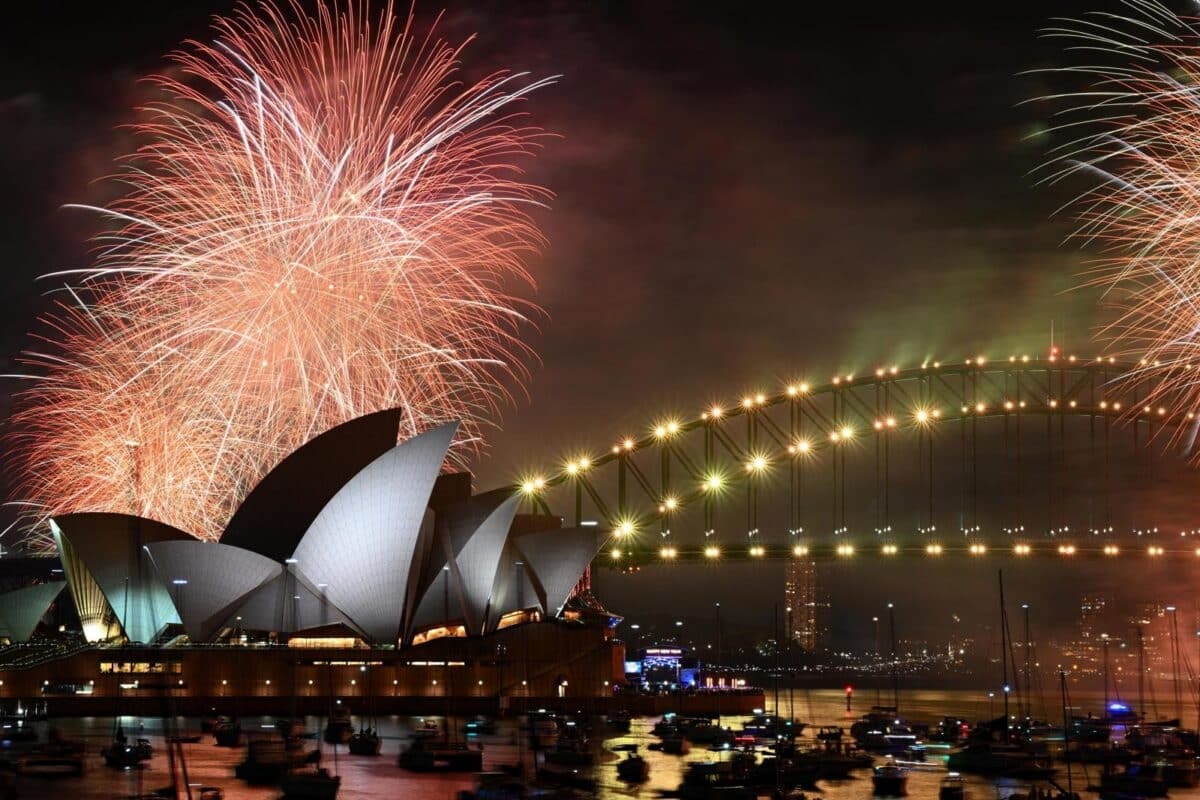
x=807 y=616
x=1091 y=612
x=1085 y=654
x=1152 y=620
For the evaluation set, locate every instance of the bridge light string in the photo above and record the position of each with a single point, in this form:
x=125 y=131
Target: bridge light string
x=914 y=417
x=631 y=555
x=920 y=416
x=800 y=447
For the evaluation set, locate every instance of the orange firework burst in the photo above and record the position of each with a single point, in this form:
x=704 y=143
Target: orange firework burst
x=1134 y=135
x=320 y=223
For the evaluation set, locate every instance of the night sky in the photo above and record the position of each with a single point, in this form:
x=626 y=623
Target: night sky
x=741 y=195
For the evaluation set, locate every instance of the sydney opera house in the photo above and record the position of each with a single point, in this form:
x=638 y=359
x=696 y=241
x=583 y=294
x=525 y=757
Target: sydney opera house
x=355 y=569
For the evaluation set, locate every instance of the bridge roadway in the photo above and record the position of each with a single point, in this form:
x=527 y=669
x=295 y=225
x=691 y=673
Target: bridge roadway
x=616 y=556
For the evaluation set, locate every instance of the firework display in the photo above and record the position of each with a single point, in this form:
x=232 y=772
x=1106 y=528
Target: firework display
x=321 y=221
x=1132 y=135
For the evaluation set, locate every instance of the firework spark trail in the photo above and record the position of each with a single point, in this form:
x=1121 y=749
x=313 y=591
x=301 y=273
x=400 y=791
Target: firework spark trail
x=1133 y=135
x=320 y=223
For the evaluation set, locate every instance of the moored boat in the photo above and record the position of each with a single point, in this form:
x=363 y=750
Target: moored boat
x=619 y=721
x=227 y=732
x=208 y=720
x=705 y=780
x=365 y=742
x=889 y=780
x=339 y=728
x=498 y=786
x=702 y=730
x=953 y=787
x=666 y=724
x=428 y=729
x=882 y=730
x=121 y=754
x=1136 y=779
x=999 y=760
x=675 y=744
x=769 y=726
x=543 y=730
x=56 y=758
x=425 y=756
x=633 y=768
x=269 y=760
x=480 y=726
x=315 y=785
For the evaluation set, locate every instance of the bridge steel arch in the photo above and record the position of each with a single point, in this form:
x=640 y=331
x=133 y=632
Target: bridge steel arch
x=669 y=493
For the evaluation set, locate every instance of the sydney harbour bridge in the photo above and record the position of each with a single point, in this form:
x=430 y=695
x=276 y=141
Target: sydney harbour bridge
x=1052 y=455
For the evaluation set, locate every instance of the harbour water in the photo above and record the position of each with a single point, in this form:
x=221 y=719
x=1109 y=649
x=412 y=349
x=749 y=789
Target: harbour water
x=380 y=777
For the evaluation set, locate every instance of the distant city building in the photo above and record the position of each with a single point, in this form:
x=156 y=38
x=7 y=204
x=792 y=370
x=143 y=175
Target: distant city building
x=808 y=614
x=1091 y=612
x=1085 y=654
x=1155 y=625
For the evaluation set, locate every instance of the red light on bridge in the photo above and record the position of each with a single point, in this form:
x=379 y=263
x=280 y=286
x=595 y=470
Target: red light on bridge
x=849 y=689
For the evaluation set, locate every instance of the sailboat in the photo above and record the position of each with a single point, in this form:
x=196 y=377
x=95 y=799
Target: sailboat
x=633 y=768
x=425 y=754
x=1069 y=792
x=882 y=730
x=177 y=763
x=226 y=730
x=890 y=780
x=366 y=742
x=120 y=753
x=318 y=784
x=339 y=728
x=990 y=749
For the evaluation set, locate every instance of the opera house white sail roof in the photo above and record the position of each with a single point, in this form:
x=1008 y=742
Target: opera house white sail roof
x=341 y=532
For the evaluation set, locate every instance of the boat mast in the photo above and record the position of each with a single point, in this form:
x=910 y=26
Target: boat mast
x=1141 y=656
x=718 y=607
x=329 y=685
x=1004 y=687
x=520 y=570
x=1104 y=642
x=791 y=660
x=1062 y=682
x=778 y=721
x=1028 y=673
x=446 y=661
x=878 y=675
x=1175 y=664
x=895 y=677
x=775 y=619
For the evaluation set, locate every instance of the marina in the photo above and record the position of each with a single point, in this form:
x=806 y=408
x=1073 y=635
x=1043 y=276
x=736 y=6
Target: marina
x=624 y=764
